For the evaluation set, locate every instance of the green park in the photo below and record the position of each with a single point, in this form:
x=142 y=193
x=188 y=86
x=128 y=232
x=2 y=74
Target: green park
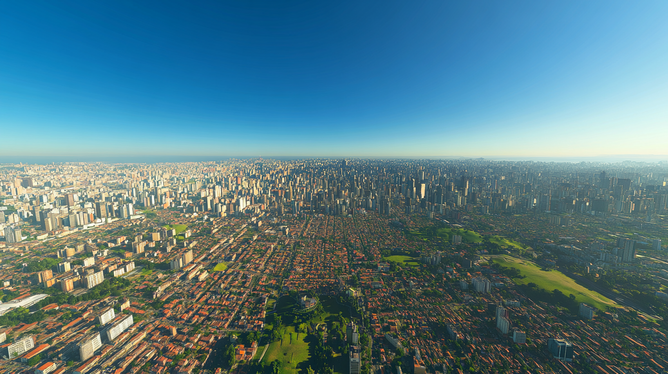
x=548 y=280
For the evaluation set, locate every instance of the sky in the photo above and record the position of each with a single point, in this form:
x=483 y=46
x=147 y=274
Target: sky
x=504 y=79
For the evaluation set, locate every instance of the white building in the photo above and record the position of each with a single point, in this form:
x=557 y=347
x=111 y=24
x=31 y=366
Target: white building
x=89 y=345
x=20 y=347
x=90 y=261
x=482 y=284
x=118 y=327
x=106 y=316
x=13 y=234
x=93 y=280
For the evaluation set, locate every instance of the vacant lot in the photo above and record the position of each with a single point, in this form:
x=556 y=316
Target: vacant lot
x=553 y=279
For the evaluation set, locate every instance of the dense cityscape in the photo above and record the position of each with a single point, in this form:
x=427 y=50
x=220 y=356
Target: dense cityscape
x=334 y=266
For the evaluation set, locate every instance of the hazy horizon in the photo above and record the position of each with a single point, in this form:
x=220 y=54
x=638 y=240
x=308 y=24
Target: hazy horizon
x=155 y=159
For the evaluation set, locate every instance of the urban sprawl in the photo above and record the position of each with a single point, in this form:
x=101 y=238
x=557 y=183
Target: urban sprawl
x=334 y=266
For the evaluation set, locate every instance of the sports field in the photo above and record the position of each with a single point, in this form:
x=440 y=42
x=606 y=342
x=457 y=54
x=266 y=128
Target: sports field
x=553 y=279
x=220 y=267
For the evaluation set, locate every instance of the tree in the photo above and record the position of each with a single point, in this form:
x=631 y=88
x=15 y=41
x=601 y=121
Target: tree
x=228 y=356
x=35 y=360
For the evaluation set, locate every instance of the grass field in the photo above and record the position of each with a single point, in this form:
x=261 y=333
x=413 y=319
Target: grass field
x=553 y=279
x=446 y=233
x=406 y=260
x=179 y=228
x=220 y=267
x=289 y=354
x=504 y=242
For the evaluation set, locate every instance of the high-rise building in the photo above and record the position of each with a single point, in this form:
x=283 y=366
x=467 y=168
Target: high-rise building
x=656 y=244
x=587 y=311
x=69 y=198
x=13 y=234
x=20 y=347
x=89 y=261
x=106 y=316
x=93 y=280
x=628 y=249
x=352 y=334
x=560 y=349
x=519 y=337
x=89 y=345
x=43 y=276
x=502 y=320
x=354 y=360
x=64 y=267
x=101 y=209
x=482 y=284
x=138 y=247
x=67 y=285
x=118 y=327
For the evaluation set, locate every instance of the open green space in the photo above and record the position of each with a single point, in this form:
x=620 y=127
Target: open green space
x=220 y=267
x=179 y=228
x=506 y=243
x=290 y=352
x=553 y=279
x=331 y=307
x=445 y=234
x=406 y=260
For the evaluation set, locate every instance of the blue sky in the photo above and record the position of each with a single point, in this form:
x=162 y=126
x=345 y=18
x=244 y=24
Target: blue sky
x=314 y=78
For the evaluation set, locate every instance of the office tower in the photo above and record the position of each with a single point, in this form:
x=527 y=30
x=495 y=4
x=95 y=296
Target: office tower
x=355 y=362
x=101 y=209
x=351 y=333
x=628 y=248
x=69 y=198
x=89 y=345
x=37 y=213
x=560 y=349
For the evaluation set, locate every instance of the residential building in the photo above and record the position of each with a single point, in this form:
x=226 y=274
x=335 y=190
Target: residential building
x=118 y=327
x=89 y=345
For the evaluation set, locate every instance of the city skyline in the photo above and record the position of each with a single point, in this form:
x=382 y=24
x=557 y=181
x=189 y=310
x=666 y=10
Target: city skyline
x=519 y=80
